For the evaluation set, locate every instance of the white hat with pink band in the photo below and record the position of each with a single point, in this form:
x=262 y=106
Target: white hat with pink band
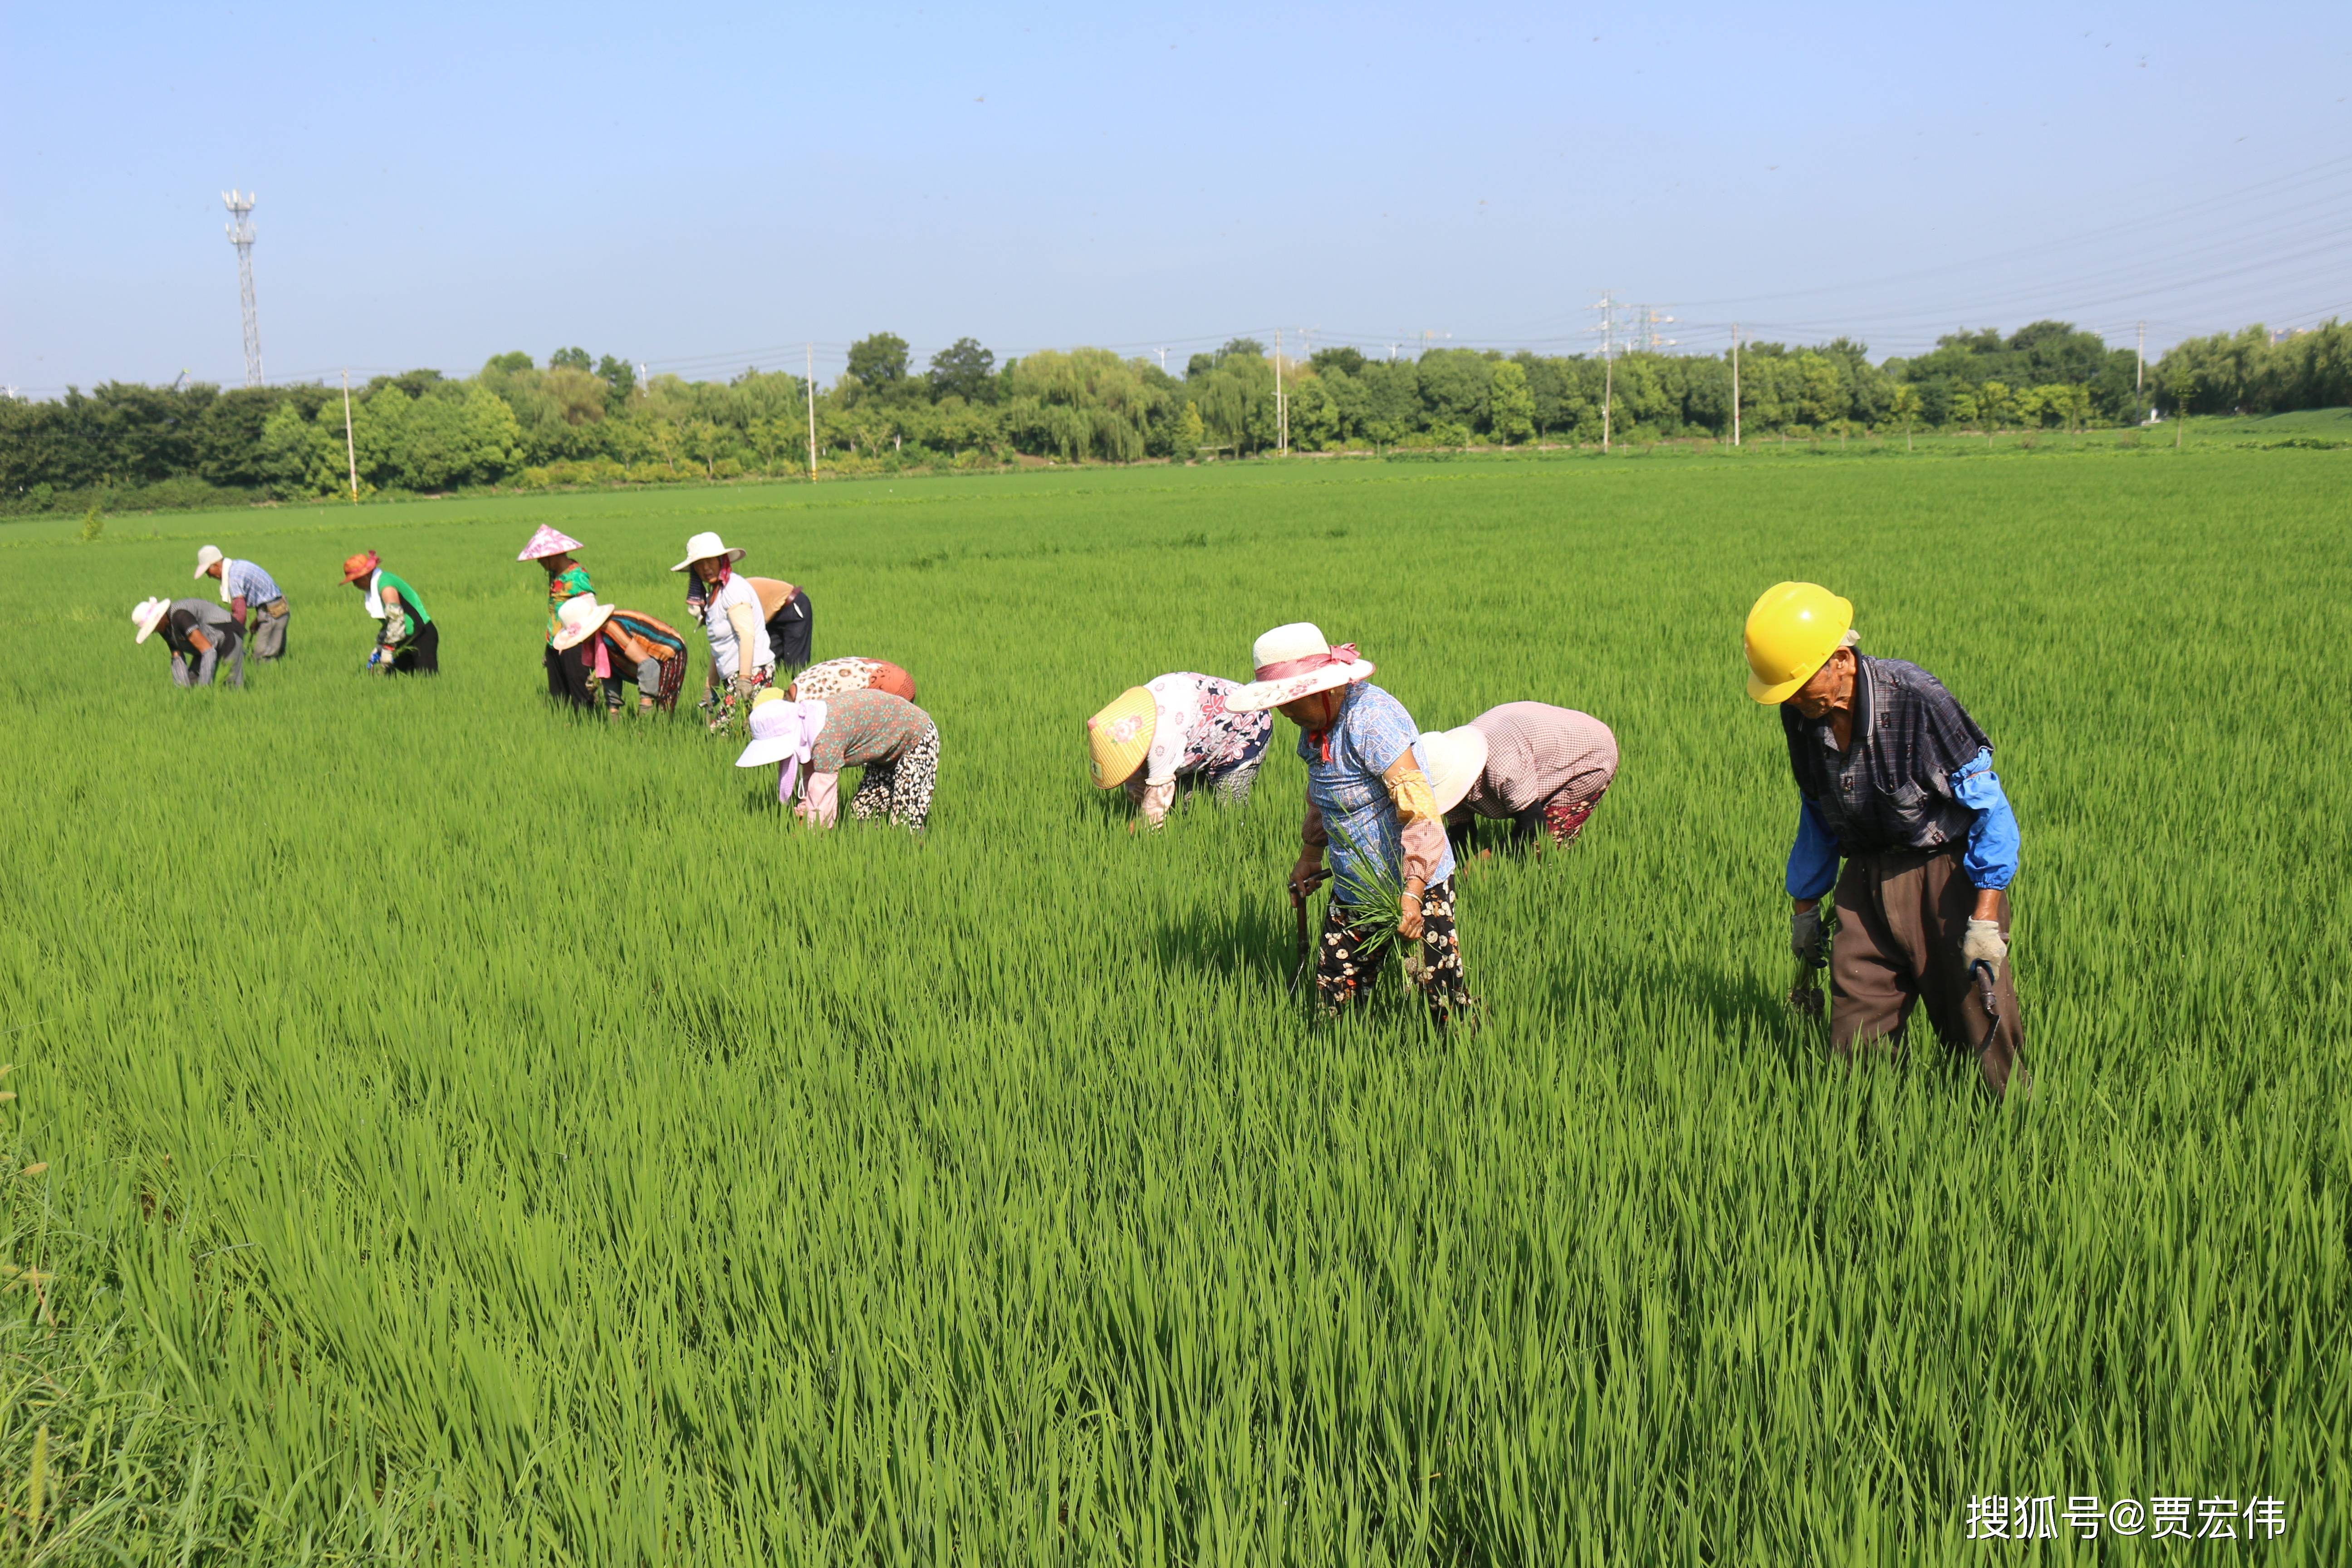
x=1294 y=661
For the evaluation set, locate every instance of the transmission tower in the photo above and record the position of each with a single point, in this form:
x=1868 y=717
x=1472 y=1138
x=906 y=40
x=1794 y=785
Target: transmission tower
x=240 y=234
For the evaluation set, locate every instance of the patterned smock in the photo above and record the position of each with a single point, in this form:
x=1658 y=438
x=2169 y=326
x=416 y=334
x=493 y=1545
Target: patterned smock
x=567 y=584
x=1344 y=785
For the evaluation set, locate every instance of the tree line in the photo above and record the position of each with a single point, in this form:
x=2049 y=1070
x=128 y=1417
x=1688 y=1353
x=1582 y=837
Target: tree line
x=585 y=419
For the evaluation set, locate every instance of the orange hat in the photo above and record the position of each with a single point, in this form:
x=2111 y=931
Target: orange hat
x=358 y=566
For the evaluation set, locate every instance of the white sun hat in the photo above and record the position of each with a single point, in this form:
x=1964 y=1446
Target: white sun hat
x=1452 y=759
x=781 y=728
x=702 y=547
x=1292 y=661
x=149 y=615
x=207 y=558
x=580 y=615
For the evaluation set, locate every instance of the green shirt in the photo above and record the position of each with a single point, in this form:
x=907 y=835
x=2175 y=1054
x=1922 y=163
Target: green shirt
x=415 y=617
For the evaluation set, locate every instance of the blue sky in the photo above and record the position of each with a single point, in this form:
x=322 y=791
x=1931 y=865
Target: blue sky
x=702 y=187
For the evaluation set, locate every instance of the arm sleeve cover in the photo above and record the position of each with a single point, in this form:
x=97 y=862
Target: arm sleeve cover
x=1993 y=847
x=1813 y=858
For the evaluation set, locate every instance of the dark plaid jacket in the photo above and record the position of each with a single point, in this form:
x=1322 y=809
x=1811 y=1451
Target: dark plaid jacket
x=1893 y=789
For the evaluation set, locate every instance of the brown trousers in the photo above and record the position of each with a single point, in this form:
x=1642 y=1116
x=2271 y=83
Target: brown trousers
x=1900 y=919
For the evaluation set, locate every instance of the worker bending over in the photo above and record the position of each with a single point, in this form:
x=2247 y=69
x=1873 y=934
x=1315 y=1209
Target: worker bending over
x=1895 y=779
x=247 y=590
x=199 y=634
x=407 y=642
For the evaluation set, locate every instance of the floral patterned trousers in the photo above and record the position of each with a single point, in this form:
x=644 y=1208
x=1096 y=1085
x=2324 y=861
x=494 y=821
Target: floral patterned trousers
x=901 y=789
x=1344 y=976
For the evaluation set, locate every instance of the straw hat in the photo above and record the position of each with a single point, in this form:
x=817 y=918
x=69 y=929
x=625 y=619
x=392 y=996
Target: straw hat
x=1119 y=736
x=358 y=566
x=702 y=547
x=149 y=614
x=207 y=558
x=1452 y=759
x=1294 y=661
x=580 y=615
x=547 y=541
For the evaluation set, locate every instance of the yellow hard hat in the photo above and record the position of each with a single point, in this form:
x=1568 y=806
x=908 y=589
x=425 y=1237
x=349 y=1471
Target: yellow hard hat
x=1118 y=736
x=1791 y=631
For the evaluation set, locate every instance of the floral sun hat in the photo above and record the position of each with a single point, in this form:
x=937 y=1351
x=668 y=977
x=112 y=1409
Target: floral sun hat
x=1293 y=661
x=1119 y=736
x=547 y=541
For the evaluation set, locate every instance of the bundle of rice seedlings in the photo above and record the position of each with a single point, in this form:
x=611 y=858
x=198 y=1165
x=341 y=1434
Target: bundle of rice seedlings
x=1374 y=893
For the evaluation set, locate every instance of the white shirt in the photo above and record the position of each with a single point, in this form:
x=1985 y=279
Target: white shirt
x=723 y=656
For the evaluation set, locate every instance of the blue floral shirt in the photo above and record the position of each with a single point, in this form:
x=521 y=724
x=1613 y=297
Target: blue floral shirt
x=1371 y=732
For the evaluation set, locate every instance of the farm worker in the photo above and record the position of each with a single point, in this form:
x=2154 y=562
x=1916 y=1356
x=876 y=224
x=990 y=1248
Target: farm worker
x=1544 y=769
x=1894 y=777
x=198 y=632
x=408 y=643
x=790 y=623
x=567 y=673
x=622 y=646
x=851 y=675
x=1368 y=801
x=813 y=740
x=1177 y=726
x=246 y=589
x=730 y=608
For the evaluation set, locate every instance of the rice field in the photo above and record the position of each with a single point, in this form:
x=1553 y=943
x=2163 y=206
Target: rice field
x=452 y=1131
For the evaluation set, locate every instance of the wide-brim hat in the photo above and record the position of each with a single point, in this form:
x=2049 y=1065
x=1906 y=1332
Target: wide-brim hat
x=774 y=728
x=358 y=566
x=547 y=541
x=578 y=628
x=1452 y=759
x=1294 y=661
x=207 y=558
x=149 y=613
x=702 y=547
x=1119 y=737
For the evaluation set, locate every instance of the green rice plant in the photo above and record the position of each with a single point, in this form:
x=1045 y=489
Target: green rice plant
x=472 y=1134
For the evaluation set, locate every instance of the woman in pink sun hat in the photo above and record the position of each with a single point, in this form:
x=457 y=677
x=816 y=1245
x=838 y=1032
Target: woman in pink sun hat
x=568 y=676
x=1368 y=803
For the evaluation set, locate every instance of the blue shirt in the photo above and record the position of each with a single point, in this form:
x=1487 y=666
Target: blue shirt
x=1990 y=859
x=243 y=579
x=1371 y=732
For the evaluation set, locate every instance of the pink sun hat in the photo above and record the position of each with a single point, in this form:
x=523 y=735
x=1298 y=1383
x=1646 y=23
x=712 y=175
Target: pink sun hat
x=547 y=541
x=1293 y=661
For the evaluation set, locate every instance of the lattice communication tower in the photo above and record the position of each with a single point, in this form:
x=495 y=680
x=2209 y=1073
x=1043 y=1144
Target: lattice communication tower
x=240 y=234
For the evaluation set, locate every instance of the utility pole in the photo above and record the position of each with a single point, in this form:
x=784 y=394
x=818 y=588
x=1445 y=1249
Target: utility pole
x=1281 y=415
x=812 y=409
x=1608 y=330
x=2139 y=376
x=240 y=234
x=1163 y=361
x=1735 y=383
x=351 y=451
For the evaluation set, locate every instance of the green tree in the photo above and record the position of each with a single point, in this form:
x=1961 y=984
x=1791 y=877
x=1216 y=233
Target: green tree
x=2181 y=381
x=964 y=369
x=880 y=361
x=1191 y=433
x=1905 y=407
x=704 y=439
x=571 y=358
x=1510 y=404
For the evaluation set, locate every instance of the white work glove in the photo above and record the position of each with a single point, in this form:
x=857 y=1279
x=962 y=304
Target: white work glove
x=1805 y=935
x=1984 y=943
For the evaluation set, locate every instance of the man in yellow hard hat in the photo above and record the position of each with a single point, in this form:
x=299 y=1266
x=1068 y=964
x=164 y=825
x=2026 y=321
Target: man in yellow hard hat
x=1895 y=779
